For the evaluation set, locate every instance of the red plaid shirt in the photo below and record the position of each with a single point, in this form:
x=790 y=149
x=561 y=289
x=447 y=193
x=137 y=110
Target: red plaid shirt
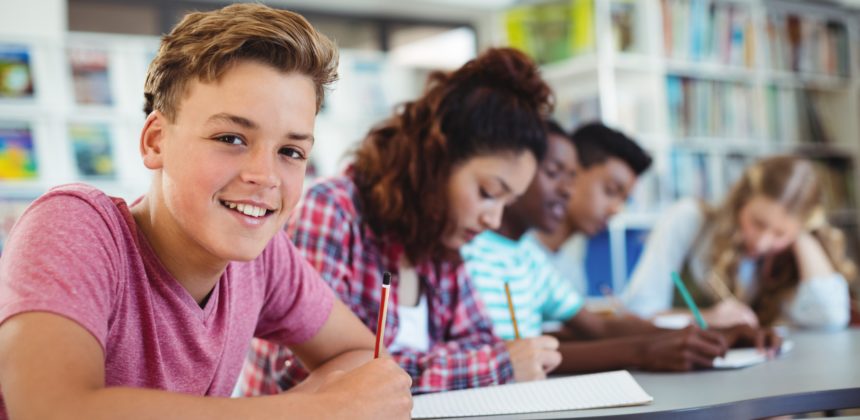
x=330 y=233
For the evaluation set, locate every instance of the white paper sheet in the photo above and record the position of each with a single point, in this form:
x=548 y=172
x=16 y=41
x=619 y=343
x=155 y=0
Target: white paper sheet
x=738 y=358
x=609 y=389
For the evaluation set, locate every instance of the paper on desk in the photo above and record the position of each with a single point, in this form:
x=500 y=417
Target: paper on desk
x=609 y=389
x=738 y=358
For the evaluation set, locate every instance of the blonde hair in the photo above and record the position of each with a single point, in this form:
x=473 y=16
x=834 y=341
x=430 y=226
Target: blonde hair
x=205 y=44
x=792 y=183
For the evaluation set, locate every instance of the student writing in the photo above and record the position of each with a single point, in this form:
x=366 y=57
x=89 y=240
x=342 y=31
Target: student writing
x=423 y=183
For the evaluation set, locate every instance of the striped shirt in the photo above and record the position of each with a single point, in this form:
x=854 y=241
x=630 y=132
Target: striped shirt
x=538 y=292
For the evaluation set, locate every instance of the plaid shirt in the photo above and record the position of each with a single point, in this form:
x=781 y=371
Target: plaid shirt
x=329 y=231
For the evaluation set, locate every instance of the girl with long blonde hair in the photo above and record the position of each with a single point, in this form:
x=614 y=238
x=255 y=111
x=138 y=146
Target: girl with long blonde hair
x=767 y=254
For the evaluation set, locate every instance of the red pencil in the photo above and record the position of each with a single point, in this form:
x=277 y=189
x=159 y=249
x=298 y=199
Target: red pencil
x=383 y=310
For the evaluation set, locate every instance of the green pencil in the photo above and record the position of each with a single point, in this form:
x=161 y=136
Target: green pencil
x=689 y=299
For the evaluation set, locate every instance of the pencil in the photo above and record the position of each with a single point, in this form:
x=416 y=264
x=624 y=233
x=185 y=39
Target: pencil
x=689 y=300
x=511 y=308
x=383 y=310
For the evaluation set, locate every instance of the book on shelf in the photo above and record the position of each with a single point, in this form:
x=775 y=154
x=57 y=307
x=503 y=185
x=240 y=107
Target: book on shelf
x=551 y=32
x=836 y=177
x=17 y=152
x=573 y=113
x=91 y=143
x=11 y=208
x=705 y=108
x=807 y=44
x=623 y=16
x=16 y=73
x=708 y=31
x=690 y=174
x=734 y=165
x=90 y=76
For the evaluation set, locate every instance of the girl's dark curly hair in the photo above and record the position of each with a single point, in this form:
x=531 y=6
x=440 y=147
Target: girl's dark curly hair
x=495 y=103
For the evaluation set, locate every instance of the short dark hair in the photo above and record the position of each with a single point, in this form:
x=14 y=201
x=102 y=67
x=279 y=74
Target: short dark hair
x=553 y=127
x=596 y=143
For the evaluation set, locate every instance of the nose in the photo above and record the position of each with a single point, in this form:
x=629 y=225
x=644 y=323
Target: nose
x=492 y=217
x=616 y=207
x=565 y=190
x=259 y=169
x=763 y=243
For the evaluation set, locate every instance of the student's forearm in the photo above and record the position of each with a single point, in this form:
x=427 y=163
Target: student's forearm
x=344 y=362
x=602 y=355
x=811 y=258
x=591 y=326
x=134 y=403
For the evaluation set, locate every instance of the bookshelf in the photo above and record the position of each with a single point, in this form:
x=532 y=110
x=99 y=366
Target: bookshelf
x=709 y=86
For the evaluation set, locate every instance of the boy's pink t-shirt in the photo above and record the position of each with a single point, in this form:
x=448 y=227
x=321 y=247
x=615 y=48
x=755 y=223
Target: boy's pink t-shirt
x=78 y=253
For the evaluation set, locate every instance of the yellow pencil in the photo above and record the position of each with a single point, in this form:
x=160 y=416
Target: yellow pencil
x=511 y=308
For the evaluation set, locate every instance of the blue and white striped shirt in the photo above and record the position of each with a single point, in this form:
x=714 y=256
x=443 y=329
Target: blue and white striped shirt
x=538 y=292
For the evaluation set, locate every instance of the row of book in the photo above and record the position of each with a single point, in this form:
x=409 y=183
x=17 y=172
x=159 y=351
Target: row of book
x=708 y=31
x=836 y=176
x=704 y=108
x=712 y=109
x=724 y=33
x=88 y=68
x=807 y=44
x=91 y=145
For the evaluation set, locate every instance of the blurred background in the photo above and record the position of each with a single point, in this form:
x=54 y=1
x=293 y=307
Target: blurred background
x=707 y=86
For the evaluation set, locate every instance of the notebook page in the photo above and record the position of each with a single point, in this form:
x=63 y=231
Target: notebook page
x=738 y=358
x=609 y=389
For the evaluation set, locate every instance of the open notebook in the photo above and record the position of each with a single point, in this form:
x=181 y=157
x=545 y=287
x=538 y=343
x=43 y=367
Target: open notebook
x=738 y=358
x=609 y=389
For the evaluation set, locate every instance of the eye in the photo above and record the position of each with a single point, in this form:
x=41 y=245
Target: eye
x=230 y=139
x=292 y=153
x=484 y=194
x=552 y=173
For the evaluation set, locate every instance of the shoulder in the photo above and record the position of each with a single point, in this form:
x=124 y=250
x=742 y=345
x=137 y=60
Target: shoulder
x=687 y=209
x=75 y=208
x=685 y=216
x=336 y=195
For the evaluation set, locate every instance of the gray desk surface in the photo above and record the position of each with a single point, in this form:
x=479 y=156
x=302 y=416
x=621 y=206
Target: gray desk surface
x=822 y=372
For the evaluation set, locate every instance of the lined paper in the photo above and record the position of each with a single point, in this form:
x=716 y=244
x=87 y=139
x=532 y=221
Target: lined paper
x=609 y=389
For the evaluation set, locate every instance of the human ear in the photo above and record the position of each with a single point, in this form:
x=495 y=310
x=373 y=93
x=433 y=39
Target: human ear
x=151 y=138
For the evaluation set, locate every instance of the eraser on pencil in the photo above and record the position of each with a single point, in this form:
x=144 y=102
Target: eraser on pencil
x=386 y=278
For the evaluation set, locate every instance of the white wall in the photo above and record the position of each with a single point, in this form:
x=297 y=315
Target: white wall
x=33 y=18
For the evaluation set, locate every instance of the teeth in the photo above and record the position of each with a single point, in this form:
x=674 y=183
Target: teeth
x=247 y=209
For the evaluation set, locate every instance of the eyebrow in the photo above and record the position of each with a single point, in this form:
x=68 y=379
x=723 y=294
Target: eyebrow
x=504 y=184
x=251 y=125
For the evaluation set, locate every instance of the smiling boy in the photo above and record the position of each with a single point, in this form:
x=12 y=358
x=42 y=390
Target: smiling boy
x=152 y=306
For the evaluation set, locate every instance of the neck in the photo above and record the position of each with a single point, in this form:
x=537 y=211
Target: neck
x=554 y=240
x=191 y=266
x=512 y=228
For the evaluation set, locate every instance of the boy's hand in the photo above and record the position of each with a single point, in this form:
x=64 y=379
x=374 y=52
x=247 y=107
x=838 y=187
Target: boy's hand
x=730 y=312
x=377 y=389
x=764 y=339
x=682 y=350
x=533 y=358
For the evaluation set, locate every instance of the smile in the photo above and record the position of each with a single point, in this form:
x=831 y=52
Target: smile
x=247 y=209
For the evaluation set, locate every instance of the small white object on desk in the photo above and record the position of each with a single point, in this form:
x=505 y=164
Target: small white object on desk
x=738 y=358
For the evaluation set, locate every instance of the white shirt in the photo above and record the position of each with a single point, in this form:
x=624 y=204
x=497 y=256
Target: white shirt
x=413 y=331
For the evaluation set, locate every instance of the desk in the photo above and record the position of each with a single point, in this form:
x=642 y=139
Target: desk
x=822 y=372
